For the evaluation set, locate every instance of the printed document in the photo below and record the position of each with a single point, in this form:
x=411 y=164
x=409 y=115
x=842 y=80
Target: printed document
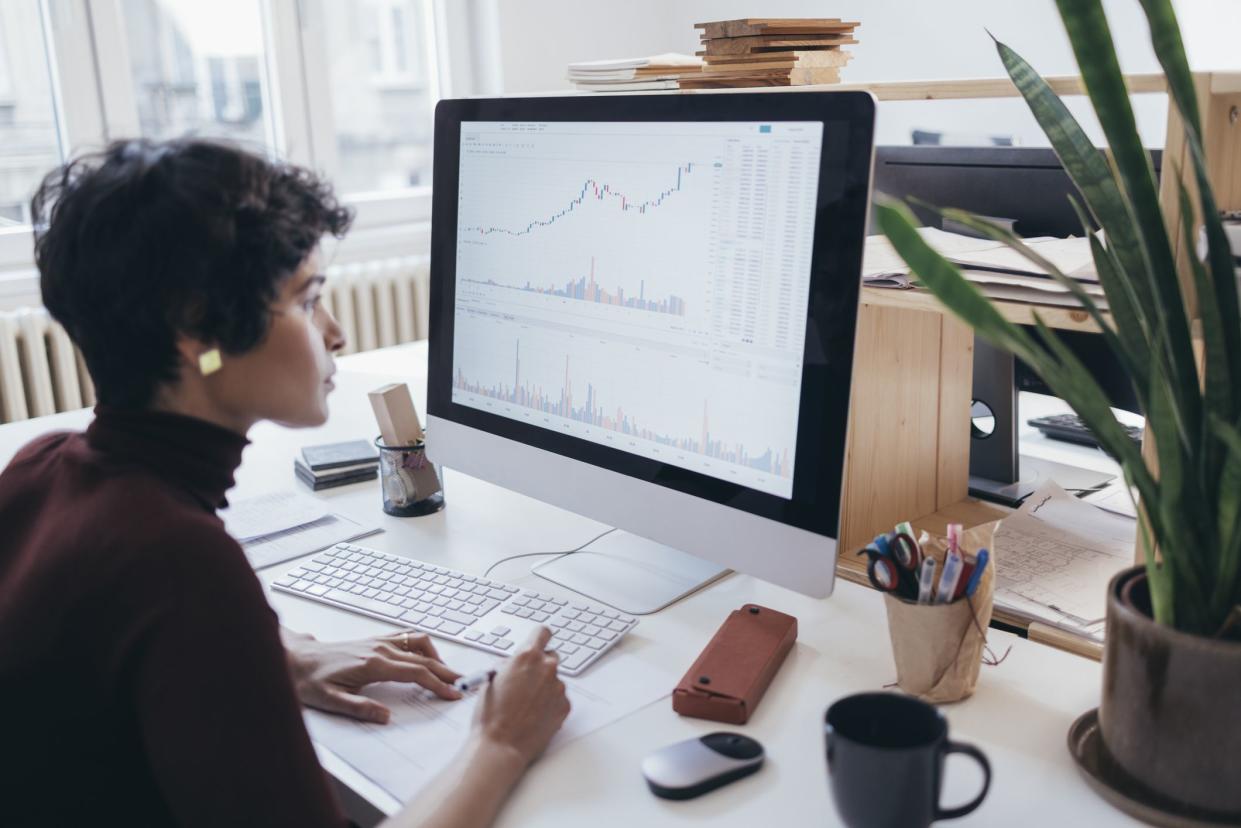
x=1055 y=556
x=424 y=733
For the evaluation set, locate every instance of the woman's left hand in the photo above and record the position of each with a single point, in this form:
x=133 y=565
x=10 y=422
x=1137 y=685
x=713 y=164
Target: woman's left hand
x=328 y=675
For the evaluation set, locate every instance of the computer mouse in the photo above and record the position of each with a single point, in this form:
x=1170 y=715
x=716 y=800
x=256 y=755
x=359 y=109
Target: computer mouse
x=692 y=768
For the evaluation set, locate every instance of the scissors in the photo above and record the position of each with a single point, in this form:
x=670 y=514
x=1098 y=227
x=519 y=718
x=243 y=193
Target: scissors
x=894 y=560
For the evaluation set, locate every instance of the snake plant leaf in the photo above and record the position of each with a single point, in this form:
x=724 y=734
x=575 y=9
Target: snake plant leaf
x=1159 y=301
x=946 y=281
x=1130 y=324
x=1002 y=234
x=1216 y=380
x=1228 y=585
x=1089 y=171
x=1221 y=289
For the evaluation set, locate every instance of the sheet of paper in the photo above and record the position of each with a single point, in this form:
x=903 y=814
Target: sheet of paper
x=1115 y=497
x=268 y=514
x=1059 y=552
x=328 y=530
x=425 y=733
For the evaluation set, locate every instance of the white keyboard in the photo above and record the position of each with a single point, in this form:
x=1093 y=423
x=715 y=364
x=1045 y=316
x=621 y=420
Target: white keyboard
x=442 y=602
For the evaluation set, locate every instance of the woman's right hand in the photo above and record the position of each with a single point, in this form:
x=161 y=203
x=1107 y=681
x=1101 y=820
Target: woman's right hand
x=525 y=703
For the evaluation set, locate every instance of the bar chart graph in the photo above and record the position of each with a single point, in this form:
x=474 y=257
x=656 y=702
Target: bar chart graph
x=591 y=410
x=587 y=289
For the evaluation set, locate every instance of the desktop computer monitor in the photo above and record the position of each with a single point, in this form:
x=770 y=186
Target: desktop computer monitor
x=643 y=311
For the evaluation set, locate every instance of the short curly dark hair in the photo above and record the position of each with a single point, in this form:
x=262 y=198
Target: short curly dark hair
x=147 y=240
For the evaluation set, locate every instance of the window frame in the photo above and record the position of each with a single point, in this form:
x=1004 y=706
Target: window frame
x=95 y=102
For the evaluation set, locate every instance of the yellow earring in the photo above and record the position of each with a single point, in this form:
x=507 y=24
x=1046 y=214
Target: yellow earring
x=210 y=362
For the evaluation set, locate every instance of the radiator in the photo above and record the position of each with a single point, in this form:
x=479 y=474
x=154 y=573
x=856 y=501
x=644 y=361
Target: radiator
x=40 y=370
x=378 y=303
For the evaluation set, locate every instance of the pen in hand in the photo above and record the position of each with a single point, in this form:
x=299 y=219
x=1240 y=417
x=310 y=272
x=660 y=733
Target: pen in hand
x=472 y=682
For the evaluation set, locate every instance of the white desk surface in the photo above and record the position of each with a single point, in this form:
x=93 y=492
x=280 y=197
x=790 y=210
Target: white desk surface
x=1019 y=715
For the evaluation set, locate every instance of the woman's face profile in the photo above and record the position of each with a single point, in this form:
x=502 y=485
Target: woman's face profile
x=287 y=377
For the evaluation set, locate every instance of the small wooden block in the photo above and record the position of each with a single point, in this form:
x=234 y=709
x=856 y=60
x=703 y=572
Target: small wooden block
x=396 y=415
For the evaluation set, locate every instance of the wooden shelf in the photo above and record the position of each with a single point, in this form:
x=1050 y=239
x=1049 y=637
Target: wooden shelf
x=1021 y=313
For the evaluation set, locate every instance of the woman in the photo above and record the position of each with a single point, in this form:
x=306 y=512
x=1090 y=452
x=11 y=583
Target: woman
x=143 y=677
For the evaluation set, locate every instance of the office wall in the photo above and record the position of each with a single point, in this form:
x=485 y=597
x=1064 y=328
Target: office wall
x=900 y=40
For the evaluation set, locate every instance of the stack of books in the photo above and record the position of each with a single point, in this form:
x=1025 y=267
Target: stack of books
x=634 y=74
x=768 y=51
x=336 y=464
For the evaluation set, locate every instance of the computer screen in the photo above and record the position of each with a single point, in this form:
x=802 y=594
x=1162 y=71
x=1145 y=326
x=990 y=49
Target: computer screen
x=640 y=285
x=643 y=310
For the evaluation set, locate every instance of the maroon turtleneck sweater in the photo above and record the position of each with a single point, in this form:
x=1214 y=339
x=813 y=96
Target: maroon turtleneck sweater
x=142 y=678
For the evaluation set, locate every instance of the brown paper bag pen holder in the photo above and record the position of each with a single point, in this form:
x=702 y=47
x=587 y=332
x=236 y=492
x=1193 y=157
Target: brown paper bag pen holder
x=938 y=648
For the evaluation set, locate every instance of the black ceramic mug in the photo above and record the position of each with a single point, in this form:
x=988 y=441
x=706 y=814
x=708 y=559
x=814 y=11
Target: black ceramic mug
x=885 y=756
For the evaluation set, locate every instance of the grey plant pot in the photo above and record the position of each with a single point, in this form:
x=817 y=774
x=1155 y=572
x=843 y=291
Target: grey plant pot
x=1171 y=710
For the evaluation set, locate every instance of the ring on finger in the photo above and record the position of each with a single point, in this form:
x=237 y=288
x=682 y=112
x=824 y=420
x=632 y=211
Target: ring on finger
x=405 y=642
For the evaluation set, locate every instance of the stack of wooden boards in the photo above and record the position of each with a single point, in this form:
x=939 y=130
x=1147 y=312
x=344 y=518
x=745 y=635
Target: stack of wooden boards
x=765 y=51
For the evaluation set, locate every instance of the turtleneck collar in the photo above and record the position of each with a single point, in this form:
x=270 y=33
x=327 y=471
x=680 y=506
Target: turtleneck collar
x=199 y=456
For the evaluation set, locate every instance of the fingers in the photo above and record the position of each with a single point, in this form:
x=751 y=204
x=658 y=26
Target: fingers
x=430 y=662
x=335 y=700
x=414 y=642
x=538 y=639
x=423 y=675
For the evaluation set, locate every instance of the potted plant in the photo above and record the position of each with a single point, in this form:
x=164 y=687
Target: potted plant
x=1169 y=714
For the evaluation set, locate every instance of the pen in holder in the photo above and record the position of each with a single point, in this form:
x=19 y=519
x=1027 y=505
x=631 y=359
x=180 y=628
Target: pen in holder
x=410 y=483
x=938 y=648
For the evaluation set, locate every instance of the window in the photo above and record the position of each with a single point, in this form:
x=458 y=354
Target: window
x=382 y=90
x=29 y=141
x=199 y=69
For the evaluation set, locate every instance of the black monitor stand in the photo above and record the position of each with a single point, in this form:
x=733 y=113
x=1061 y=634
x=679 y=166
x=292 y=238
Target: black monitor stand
x=998 y=471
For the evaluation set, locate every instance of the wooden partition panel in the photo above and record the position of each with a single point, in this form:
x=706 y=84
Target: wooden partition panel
x=908 y=447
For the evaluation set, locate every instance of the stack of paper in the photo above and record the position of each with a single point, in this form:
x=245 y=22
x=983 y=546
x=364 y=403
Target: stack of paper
x=281 y=526
x=634 y=74
x=999 y=271
x=772 y=52
x=1055 y=556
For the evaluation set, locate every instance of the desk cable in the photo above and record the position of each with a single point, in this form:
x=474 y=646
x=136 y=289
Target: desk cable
x=560 y=553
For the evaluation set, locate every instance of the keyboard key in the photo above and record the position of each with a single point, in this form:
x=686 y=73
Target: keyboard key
x=412 y=617
x=618 y=626
x=475 y=600
x=581 y=607
x=607 y=613
x=453 y=628
x=625 y=619
x=588 y=618
x=524 y=612
x=318 y=589
x=501 y=631
x=430 y=623
x=503 y=643
x=510 y=610
x=591 y=629
x=540 y=616
x=435 y=612
x=455 y=604
x=576 y=626
x=558 y=623
x=565 y=648
x=576 y=660
x=607 y=635
x=569 y=613
x=473 y=635
x=363 y=603
x=596 y=643
x=509 y=589
x=497 y=594
x=560 y=602
x=459 y=617
x=488 y=605
x=488 y=640
x=578 y=638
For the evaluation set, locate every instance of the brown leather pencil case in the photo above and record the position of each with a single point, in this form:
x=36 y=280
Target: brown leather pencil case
x=731 y=674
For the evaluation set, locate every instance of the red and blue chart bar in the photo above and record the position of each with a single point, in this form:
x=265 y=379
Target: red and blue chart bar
x=592 y=412
x=587 y=289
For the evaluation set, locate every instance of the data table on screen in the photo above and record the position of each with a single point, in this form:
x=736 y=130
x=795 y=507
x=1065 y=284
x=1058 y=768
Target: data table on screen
x=640 y=285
